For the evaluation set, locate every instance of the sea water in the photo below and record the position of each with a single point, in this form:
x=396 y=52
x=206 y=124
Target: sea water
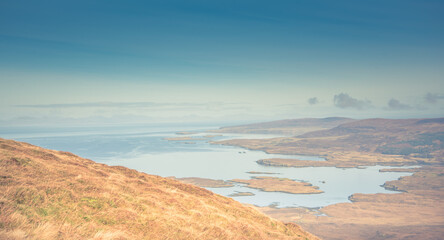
x=146 y=149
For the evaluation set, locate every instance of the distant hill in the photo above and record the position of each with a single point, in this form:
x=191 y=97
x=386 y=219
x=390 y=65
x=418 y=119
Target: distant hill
x=288 y=126
x=360 y=142
x=46 y=194
x=374 y=125
x=409 y=137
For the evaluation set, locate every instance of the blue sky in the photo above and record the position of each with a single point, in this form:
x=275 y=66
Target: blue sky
x=156 y=61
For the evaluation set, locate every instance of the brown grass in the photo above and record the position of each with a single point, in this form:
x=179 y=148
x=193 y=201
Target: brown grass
x=47 y=194
x=274 y=184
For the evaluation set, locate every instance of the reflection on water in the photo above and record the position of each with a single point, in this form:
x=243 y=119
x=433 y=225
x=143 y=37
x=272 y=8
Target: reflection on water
x=146 y=150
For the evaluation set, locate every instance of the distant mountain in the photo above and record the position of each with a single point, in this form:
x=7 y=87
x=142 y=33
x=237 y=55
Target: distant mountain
x=46 y=194
x=288 y=126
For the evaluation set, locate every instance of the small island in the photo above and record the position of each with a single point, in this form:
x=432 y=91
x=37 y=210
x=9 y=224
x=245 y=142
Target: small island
x=205 y=182
x=254 y=172
x=184 y=138
x=178 y=138
x=274 y=184
x=185 y=133
x=212 y=136
x=241 y=194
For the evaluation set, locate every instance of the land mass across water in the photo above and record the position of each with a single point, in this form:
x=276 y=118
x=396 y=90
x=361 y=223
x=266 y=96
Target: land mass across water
x=390 y=142
x=273 y=184
x=412 y=213
x=286 y=127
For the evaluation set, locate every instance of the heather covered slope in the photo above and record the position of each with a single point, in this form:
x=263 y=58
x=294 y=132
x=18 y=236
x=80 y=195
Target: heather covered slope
x=46 y=194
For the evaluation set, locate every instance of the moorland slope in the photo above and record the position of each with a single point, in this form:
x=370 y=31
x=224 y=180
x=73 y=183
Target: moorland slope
x=46 y=194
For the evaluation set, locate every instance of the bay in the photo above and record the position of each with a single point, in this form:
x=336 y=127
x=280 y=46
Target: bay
x=146 y=149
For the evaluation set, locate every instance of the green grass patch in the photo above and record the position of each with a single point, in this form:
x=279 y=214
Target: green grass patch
x=94 y=203
x=42 y=212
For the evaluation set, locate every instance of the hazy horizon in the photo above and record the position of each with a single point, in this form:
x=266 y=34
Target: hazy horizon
x=138 y=62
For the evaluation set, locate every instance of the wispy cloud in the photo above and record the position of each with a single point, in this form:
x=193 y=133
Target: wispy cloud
x=394 y=104
x=313 y=100
x=119 y=107
x=110 y=105
x=343 y=100
x=433 y=97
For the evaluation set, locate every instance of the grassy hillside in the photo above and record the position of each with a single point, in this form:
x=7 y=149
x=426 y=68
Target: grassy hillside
x=47 y=194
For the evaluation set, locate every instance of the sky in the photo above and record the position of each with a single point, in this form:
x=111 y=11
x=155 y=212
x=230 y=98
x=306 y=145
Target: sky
x=127 y=62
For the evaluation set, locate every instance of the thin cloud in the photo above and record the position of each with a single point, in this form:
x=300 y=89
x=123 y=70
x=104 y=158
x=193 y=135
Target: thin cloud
x=394 y=104
x=109 y=105
x=433 y=97
x=313 y=100
x=343 y=100
x=119 y=106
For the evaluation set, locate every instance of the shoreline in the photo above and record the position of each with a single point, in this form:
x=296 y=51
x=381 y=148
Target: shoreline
x=343 y=159
x=283 y=185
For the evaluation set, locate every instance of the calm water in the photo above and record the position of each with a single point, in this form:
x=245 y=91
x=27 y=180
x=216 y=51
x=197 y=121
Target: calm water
x=146 y=150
